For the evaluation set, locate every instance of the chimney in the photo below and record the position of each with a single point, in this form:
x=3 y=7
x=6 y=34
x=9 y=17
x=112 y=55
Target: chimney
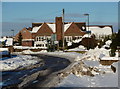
x=59 y=31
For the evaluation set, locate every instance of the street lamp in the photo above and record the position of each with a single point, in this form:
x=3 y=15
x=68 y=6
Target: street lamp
x=88 y=19
x=63 y=28
x=13 y=32
x=88 y=27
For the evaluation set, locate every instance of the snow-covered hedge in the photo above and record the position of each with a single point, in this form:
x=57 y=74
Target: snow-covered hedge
x=20 y=61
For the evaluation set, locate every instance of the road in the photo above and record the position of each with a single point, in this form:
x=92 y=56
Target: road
x=25 y=78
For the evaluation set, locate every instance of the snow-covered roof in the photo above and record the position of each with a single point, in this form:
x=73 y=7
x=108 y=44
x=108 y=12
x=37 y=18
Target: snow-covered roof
x=35 y=29
x=106 y=30
x=66 y=26
x=52 y=26
x=86 y=36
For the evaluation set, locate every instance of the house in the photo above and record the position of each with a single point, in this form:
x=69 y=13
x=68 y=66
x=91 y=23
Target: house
x=100 y=30
x=27 y=37
x=40 y=33
x=7 y=41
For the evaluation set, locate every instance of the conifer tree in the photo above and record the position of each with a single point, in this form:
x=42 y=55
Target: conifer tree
x=115 y=43
x=20 y=39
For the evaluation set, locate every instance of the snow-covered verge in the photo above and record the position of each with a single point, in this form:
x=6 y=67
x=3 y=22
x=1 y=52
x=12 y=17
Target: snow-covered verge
x=27 y=47
x=69 y=55
x=20 y=61
x=89 y=73
x=105 y=80
x=3 y=49
x=80 y=48
x=96 y=54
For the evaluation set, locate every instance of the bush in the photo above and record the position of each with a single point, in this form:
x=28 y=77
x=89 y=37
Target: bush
x=112 y=52
x=89 y=43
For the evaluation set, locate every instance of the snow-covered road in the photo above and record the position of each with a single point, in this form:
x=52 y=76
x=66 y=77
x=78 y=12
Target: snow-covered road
x=23 y=77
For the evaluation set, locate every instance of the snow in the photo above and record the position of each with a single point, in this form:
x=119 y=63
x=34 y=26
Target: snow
x=107 y=44
x=27 y=47
x=3 y=49
x=77 y=49
x=110 y=58
x=80 y=48
x=31 y=52
x=86 y=36
x=66 y=26
x=100 y=31
x=104 y=76
x=69 y=43
x=9 y=42
x=35 y=29
x=3 y=39
x=77 y=40
x=95 y=54
x=52 y=26
x=27 y=52
x=104 y=80
x=17 y=62
x=115 y=64
x=71 y=81
x=91 y=63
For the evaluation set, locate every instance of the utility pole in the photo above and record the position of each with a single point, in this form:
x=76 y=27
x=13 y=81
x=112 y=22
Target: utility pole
x=63 y=28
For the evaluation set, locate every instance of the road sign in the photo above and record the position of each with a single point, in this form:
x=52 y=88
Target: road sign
x=53 y=37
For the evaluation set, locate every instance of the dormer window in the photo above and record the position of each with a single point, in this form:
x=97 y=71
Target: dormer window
x=83 y=27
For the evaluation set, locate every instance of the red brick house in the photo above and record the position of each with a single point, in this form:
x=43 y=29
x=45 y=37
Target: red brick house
x=40 y=32
x=27 y=37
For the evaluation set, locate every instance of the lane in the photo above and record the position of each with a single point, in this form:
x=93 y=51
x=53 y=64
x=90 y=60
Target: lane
x=51 y=64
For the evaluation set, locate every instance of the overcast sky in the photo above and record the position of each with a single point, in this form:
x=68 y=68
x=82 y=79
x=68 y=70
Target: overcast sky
x=17 y=15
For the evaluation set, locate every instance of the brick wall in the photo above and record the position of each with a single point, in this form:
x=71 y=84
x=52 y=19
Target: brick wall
x=27 y=43
x=45 y=30
x=25 y=34
x=74 y=30
x=59 y=27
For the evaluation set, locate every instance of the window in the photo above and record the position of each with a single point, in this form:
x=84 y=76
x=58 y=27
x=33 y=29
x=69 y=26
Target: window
x=37 y=39
x=68 y=38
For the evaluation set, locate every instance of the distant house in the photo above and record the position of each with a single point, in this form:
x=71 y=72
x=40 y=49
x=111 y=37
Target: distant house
x=100 y=30
x=27 y=37
x=7 y=41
